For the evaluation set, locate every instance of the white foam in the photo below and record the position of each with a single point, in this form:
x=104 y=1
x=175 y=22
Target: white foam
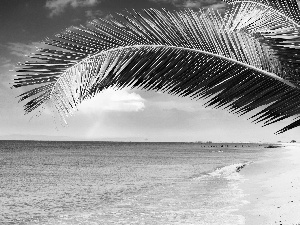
x=229 y=172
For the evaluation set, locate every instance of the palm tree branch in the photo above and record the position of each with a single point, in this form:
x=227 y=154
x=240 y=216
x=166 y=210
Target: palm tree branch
x=206 y=59
x=132 y=66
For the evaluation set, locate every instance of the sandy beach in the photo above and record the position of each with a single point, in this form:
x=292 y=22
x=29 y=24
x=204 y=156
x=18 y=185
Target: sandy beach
x=272 y=188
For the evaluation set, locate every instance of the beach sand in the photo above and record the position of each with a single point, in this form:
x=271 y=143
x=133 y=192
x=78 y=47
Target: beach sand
x=272 y=188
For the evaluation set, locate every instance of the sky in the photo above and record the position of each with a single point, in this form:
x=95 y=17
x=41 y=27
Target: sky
x=123 y=115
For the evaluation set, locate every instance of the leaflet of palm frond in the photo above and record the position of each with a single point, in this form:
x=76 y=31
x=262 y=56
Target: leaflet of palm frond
x=289 y=127
x=262 y=96
x=285 y=111
x=271 y=27
x=290 y=62
x=105 y=64
x=48 y=66
x=35 y=91
x=289 y=8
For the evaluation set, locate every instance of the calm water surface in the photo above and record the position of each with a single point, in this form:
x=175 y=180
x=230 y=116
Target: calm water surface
x=122 y=183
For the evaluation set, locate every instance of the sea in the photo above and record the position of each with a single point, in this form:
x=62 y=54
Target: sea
x=103 y=183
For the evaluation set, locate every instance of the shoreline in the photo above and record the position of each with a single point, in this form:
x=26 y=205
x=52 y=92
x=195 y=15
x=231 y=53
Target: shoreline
x=272 y=188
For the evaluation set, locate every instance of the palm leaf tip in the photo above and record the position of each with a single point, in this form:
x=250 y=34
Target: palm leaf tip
x=186 y=53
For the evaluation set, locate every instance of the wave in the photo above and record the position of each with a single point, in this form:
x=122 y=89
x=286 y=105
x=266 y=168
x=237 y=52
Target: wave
x=230 y=172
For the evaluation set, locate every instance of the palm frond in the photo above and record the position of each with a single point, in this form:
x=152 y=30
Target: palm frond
x=289 y=8
x=186 y=53
x=274 y=23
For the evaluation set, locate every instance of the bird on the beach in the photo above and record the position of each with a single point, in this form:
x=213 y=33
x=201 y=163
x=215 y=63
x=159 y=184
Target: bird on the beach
x=239 y=60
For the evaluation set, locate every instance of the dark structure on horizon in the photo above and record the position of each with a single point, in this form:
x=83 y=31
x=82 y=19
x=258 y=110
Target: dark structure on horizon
x=244 y=59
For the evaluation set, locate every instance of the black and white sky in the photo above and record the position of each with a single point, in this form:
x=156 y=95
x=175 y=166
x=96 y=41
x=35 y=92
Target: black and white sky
x=126 y=114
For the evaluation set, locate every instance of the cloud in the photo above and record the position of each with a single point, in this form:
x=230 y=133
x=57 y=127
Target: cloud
x=215 y=4
x=177 y=104
x=58 y=6
x=112 y=100
x=93 y=14
x=219 y=6
x=192 y=4
x=5 y=62
x=176 y=3
x=21 y=49
x=6 y=67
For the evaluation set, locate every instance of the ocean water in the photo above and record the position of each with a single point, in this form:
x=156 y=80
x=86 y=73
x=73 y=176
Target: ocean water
x=72 y=183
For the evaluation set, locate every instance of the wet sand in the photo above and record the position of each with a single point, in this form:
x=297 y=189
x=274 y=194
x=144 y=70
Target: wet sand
x=272 y=188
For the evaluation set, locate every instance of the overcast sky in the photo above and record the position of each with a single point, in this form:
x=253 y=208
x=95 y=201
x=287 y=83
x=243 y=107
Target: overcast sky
x=119 y=115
